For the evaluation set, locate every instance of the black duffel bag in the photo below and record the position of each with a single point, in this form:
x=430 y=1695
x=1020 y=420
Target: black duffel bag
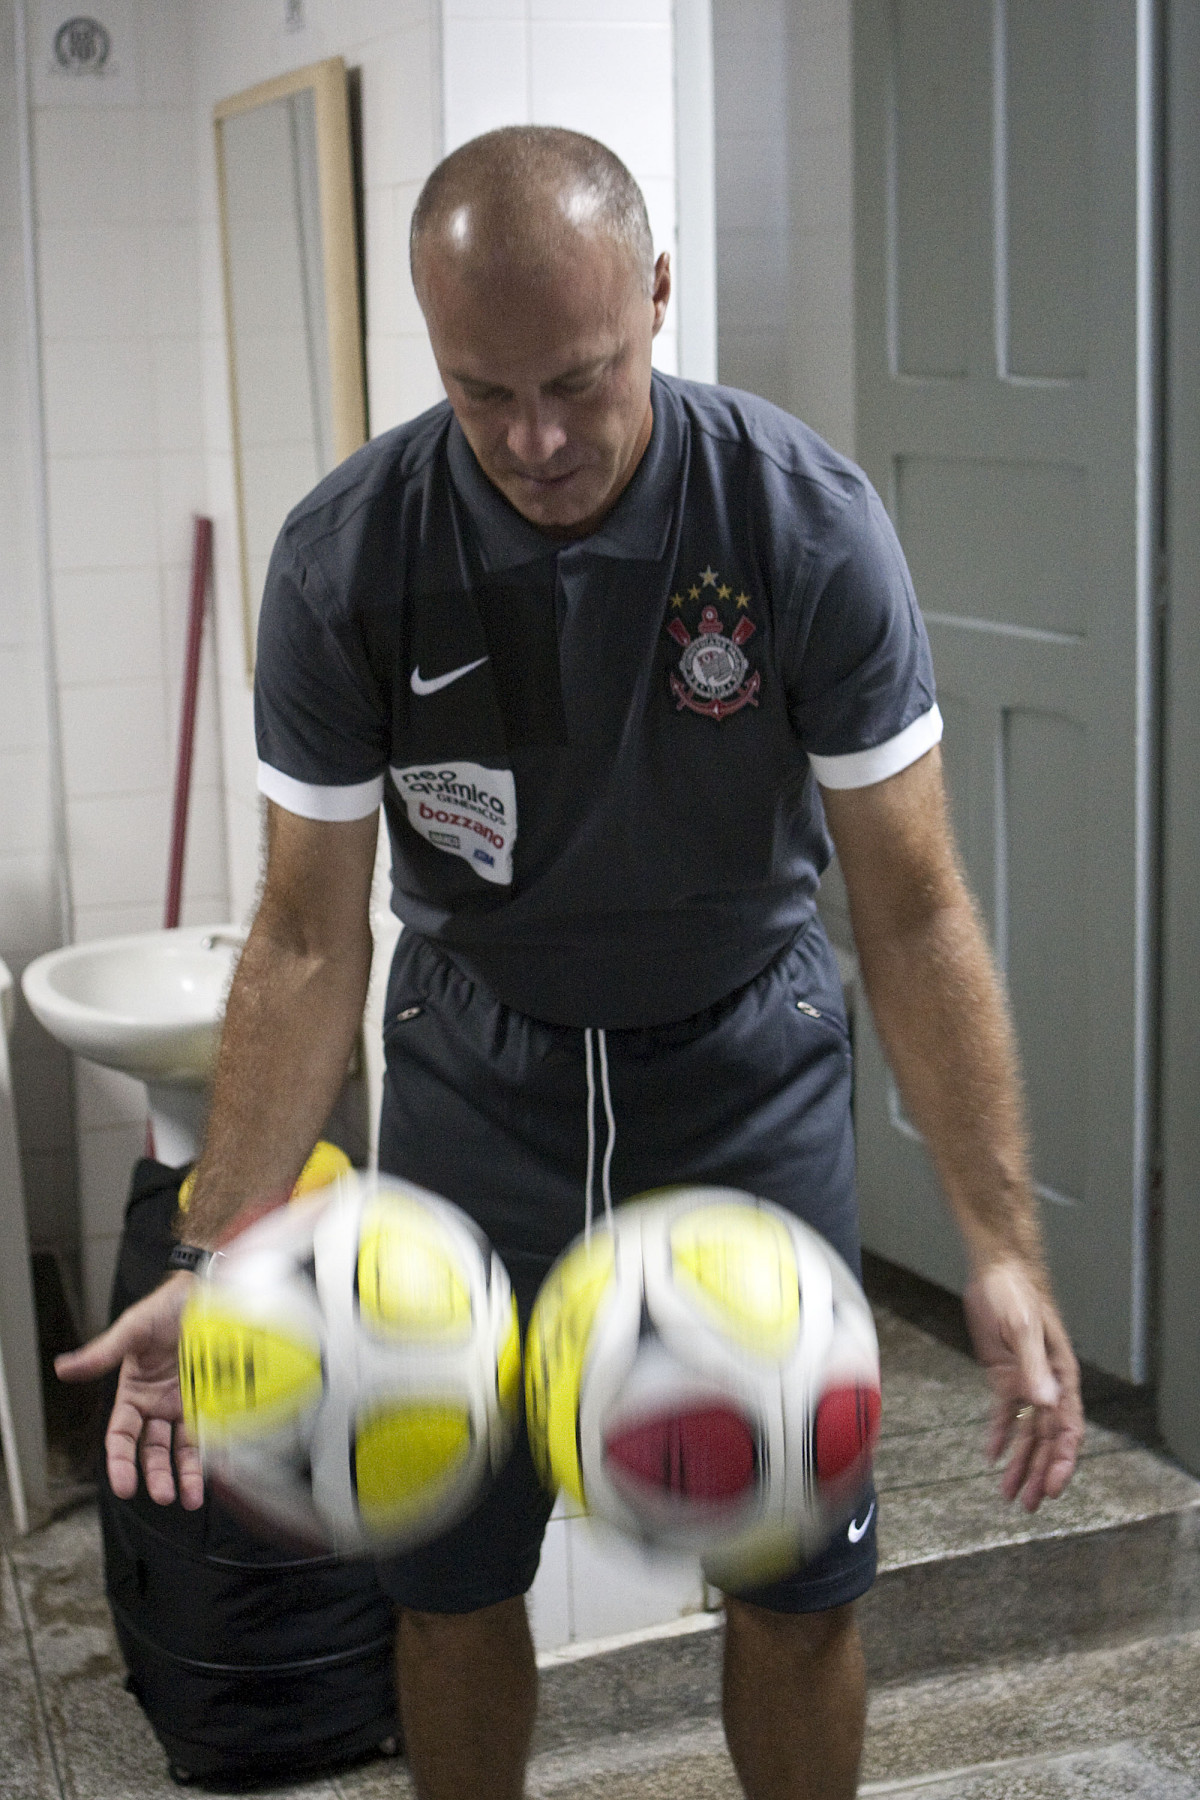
x=252 y=1663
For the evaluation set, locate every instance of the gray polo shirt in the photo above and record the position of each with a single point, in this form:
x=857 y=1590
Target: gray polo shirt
x=598 y=760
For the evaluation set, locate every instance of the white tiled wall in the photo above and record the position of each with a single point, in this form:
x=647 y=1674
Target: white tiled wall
x=116 y=216
x=30 y=920
x=136 y=408
x=820 y=346
x=605 y=67
x=784 y=206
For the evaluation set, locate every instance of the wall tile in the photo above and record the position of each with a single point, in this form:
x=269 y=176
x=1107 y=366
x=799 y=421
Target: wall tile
x=399 y=107
x=615 y=82
x=105 y=1097
x=99 y=397
x=119 y=850
x=171 y=259
x=107 y=1154
x=205 y=869
x=24 y=802
x=181 y=495
x=659 y=195
x=177 y=380
x=486 y=10
x=28 y=898
x=169 y=173
x=750 y=77
x=89 y=166
x=752 y=191
x=386 y=261
x=752 y=275
x=607 y=12
x=164 y=52
x=94 y=923
x=107 y=624
x=103 y=511
x=92 y=281
x=359 y=21
x=614 y=1588
x=486 y=77
x=114 y=739
x=23 y=722
x=759 y=364
x=665 y=355
x=549 y=1597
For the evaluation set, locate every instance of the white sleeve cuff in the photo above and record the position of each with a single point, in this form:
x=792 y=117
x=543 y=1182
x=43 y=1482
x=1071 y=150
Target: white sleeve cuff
x=863 y=768
x=333 y=805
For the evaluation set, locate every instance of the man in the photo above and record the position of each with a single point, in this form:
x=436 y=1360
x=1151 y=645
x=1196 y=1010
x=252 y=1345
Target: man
x=590 y=635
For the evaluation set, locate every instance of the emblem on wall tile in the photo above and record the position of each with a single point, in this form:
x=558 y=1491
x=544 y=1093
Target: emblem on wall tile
x=84 y=59
x=82 y=46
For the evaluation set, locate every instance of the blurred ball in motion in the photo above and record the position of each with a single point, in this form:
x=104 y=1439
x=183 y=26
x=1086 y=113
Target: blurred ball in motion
x=705 y=1377
x=350 y=1367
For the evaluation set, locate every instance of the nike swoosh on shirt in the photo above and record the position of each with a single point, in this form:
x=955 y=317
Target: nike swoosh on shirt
x=435 y=682
x=856 y=1532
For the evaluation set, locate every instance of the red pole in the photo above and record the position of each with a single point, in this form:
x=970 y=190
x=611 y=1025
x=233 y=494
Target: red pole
x=201 y=565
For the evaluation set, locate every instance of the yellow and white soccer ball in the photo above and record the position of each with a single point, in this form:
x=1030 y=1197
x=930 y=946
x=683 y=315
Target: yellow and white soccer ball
x=705 y=1377
x=350 y=1366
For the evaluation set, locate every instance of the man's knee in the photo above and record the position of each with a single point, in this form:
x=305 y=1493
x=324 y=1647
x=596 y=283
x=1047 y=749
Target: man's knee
x=813 y=1637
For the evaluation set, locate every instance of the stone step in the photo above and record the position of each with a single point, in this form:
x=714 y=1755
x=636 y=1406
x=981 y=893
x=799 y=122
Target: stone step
x=964 y=1577
x=1114 y=1721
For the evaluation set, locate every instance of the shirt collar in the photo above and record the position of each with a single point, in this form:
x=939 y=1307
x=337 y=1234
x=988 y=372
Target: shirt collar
x=638 y=529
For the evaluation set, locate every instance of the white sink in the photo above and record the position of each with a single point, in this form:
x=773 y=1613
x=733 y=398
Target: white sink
x=150 y=1005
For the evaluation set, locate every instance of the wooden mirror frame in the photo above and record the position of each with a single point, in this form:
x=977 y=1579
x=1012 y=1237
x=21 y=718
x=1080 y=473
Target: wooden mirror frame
x=339 y=252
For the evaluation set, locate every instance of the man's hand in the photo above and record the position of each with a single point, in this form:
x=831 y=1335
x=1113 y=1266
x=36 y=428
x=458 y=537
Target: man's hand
x=943 y=1021
x=1022 y=1343
x=147 y=1419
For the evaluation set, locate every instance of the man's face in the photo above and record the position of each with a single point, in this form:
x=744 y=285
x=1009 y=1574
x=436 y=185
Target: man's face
x=549 y=376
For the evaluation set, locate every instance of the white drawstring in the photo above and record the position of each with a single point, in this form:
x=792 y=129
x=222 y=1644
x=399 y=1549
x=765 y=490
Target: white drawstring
x=606 y=1167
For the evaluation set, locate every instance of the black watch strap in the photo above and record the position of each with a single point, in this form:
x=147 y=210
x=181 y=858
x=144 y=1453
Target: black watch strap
x=190 y=1257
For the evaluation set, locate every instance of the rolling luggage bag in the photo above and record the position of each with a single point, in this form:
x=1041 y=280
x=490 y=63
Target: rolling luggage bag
x=251 y=1663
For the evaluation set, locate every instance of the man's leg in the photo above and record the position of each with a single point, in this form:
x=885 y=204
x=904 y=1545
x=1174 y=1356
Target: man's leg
x=795 y=1701
x=468 y=1693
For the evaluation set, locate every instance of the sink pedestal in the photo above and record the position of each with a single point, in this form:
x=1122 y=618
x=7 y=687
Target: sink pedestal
x=178 y=1116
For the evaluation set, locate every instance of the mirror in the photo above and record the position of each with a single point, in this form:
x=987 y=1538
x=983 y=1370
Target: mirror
x=285 y=185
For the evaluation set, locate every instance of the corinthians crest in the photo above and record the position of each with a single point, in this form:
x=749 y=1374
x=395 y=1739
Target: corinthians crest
x=714 y=676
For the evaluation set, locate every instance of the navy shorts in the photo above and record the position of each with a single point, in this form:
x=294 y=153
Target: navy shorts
x=490 y=1108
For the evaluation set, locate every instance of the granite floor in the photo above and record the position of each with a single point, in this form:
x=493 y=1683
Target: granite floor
x=1054 y=1658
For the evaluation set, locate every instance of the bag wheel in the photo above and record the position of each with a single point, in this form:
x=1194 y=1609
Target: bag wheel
x=179 y=1775
x=389 y=1746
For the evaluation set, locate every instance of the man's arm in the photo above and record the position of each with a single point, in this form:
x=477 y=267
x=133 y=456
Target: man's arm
x=294 y=1009
x=944 y=1024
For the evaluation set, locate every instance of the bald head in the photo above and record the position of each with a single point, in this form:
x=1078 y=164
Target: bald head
x=517 y=200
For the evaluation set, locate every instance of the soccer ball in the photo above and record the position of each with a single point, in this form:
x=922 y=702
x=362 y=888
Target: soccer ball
x=705 y=1377
x=350 y=1367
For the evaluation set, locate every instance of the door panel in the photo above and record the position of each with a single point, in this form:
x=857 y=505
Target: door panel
x=1004 y=382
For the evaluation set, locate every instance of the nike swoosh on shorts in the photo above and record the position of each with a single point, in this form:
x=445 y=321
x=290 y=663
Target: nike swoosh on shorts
x=420 y=685
x=856 y=1532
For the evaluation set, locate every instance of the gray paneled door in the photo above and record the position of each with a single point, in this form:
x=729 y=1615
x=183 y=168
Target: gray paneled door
x=1005 y=320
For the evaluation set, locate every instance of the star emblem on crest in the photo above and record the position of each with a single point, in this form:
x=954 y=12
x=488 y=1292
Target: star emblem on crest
x=713 y=676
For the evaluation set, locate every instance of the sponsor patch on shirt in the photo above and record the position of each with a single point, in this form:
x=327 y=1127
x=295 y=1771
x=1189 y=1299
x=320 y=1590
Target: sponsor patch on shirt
x=465 y=810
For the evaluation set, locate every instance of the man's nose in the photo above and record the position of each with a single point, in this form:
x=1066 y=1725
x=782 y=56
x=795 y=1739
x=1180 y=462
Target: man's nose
x=535 y=435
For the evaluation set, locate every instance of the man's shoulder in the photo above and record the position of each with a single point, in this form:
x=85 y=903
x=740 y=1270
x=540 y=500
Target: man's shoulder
x=382 y=472
x=744 y=427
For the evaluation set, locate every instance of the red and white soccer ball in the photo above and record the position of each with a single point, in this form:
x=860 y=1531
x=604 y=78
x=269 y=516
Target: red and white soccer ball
x=705 y=1377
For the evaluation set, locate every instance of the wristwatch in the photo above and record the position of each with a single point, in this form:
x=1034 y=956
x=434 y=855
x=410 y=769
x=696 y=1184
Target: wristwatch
x=191 y=1257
